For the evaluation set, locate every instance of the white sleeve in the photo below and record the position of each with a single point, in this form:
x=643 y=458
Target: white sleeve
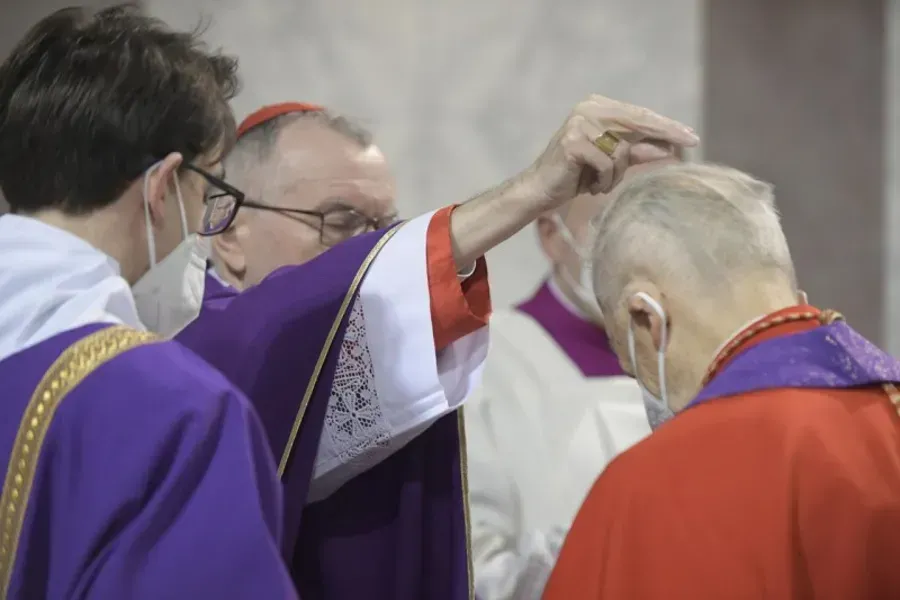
x=391 y=384
x=509 y=563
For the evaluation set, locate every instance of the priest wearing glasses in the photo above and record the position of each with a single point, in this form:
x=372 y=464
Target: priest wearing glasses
x=358 y=341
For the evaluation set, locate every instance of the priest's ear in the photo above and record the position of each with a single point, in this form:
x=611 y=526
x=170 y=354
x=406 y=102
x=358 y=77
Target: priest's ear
x=552 y=243
x=648 y=315
x=229 y=255
x=157 y=184
x=802 y=298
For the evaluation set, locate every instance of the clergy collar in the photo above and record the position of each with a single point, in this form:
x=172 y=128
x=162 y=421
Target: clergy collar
x=736 y=333
x=584 y=342
x=211 y=270
x=791 y=319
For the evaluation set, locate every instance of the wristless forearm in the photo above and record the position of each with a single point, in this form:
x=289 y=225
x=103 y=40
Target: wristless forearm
x=491 y=218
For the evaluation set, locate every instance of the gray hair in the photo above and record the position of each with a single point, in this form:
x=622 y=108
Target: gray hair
x=255 y=148
x=694 y=225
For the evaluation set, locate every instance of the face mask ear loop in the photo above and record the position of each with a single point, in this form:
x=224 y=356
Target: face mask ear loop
x=661 y=353
x=151 y=240
x=184 y=224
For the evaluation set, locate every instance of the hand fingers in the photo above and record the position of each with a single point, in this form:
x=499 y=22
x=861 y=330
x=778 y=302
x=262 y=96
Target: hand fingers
x=615 y=165
x=602 y=111
x=649 y=151
x=620 y=165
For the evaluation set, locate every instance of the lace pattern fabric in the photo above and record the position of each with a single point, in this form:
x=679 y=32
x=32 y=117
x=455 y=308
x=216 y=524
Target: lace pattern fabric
x=354 y=420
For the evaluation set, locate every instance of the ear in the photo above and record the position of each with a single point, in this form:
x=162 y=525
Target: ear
x=802 y=298
x=646 y=310
x=228 y=249
x=159 y=181
x=548 y=234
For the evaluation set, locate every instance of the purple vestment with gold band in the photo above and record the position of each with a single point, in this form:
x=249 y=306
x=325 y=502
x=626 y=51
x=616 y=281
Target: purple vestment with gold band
x=395 y=532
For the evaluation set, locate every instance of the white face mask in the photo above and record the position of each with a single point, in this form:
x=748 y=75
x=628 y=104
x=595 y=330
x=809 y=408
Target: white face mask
x=583 y=288
x=170 y=295
x=658 y=410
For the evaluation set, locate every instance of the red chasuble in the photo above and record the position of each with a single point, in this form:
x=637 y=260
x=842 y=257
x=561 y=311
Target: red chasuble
x=780 y=481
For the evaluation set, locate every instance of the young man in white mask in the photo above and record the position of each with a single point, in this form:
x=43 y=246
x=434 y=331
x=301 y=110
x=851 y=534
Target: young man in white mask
x=359 y=359
x=777 y=472
x=133 y=469
x=555 y=407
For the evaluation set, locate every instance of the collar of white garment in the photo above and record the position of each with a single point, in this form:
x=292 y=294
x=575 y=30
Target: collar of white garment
x=215 y=275
x=560 y=296
x=52 y=281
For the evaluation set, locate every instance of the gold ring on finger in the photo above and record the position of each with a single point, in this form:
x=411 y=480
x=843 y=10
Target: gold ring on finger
x=607 y=143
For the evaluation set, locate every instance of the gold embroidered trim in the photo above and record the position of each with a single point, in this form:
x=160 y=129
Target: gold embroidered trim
x=311 y=386
x=893 y=394
x=77 y=362
x=464 y=476
x=825 y=318
x=329 y=340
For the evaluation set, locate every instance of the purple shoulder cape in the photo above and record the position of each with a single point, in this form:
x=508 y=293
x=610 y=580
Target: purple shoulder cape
x=397 y=531
x=153 y=479
x=830 y=356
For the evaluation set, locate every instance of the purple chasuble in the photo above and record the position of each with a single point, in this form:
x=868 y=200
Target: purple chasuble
x=829 y=356
x=154 y=480
x=583 y=342
x=395 y=532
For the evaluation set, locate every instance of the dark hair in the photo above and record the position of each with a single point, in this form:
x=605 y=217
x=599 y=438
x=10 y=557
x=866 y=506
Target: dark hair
x=90 y=100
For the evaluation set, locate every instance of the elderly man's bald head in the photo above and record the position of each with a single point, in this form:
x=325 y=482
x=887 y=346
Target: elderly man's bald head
x=694 y=224
x=685 y=257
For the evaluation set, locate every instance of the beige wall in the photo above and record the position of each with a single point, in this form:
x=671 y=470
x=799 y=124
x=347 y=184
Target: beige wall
x=462 y=93
x=794 y=93
x=891 y=226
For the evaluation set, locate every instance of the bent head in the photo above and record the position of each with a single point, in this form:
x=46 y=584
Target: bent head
x=566 y=237
x=312 y=180
x=687 y=255
x=104 y=117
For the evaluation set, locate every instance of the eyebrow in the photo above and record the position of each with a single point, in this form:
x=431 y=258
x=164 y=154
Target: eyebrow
x=336 y=203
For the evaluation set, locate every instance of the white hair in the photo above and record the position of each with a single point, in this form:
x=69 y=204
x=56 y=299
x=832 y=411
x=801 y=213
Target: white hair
x=692 y=225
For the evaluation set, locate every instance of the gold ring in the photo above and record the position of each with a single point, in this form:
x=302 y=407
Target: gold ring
x=607 y=143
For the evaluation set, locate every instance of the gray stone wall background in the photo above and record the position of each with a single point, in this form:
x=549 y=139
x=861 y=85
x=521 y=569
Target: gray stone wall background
x=460 y=93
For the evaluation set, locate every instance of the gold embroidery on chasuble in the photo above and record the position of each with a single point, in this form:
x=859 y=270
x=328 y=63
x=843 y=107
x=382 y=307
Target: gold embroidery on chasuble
x=71 y=368
x=326 y=347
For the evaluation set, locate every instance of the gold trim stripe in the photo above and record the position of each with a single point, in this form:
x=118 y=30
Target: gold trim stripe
x=464 y=477
x=77 y=362
x=311 y=386
x=329 y=340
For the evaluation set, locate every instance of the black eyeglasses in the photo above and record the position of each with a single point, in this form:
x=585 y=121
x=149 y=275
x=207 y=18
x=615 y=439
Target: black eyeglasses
x=222 y=203
x=334 y=226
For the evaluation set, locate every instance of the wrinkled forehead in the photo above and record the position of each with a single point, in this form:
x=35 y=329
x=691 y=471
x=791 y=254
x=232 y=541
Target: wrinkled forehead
x=314 y=167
